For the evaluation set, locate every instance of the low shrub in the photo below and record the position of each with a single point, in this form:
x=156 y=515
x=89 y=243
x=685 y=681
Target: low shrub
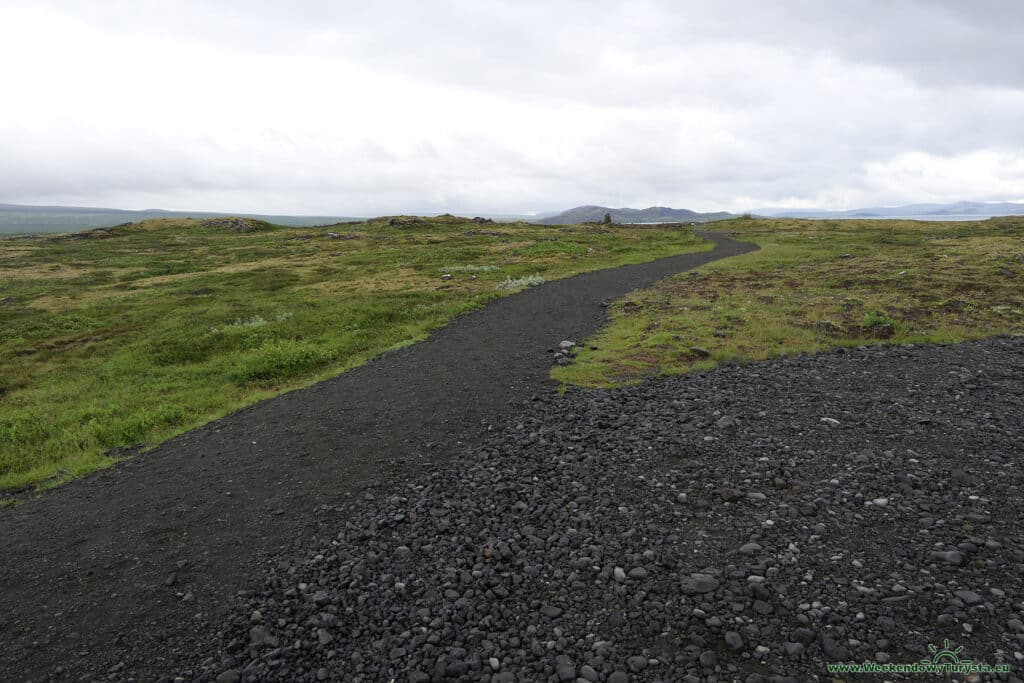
x=521 y=282
x=279 y=360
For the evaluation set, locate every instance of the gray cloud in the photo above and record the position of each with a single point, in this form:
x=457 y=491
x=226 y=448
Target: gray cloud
x=358 y=108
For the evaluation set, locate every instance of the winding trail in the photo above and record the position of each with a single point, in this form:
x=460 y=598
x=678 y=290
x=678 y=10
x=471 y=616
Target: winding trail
x=108 y=571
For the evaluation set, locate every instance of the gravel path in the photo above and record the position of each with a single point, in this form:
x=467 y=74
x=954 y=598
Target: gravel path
x=748 y=524
x=109 y=574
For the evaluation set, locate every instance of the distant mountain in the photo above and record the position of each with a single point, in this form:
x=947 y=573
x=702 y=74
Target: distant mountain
x=18 y=218
x=653 y=214
x=956 y=209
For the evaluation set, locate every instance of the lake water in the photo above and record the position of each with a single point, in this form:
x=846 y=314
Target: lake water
x=944 y=217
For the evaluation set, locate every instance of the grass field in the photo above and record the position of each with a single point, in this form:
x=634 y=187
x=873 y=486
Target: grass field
x=816 y=285
x=114 y=339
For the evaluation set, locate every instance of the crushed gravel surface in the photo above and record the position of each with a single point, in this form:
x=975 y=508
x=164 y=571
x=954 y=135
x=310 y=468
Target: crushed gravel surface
x=753 y=523
x=105 y=576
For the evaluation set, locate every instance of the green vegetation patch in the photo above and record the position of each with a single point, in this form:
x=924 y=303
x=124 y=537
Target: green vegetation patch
x=816 y=285
x=521 y=282
x=116 y=339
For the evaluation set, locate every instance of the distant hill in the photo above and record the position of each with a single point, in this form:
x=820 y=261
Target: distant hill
x=954 y=210
x=653 y=214
x=18 y=218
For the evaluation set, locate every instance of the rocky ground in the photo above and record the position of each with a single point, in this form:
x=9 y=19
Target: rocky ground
x=110 y=574
x=754 y=523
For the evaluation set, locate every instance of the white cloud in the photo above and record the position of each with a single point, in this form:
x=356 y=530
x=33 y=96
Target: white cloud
x=353 y=108
x=995 y=174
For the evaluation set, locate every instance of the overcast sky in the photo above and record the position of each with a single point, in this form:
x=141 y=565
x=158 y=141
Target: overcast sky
x=360 y=108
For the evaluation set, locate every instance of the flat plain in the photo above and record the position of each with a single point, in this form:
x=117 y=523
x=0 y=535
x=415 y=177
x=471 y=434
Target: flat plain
x=753 y=521
x=114 y=340
x=815 y=285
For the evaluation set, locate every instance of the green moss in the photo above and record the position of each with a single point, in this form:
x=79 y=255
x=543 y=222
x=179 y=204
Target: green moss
x=128 y=339
x=816 y=285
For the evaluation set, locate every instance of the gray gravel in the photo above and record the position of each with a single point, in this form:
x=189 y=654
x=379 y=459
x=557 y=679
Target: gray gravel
x=748 y=524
